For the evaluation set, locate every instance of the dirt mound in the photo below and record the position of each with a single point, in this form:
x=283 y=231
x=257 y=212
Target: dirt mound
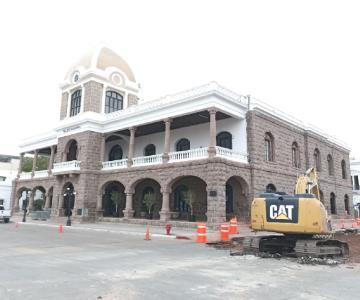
x=353 y=241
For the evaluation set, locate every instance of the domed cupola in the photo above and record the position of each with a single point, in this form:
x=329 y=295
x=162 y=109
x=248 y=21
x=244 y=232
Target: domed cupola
x=101 y=81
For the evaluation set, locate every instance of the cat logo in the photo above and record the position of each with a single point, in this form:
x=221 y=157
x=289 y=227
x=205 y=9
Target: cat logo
x=281 y=212
x=284 y=210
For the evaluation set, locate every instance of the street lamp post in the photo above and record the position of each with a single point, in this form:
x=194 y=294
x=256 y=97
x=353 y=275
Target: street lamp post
x=25 y=204
x=69 y=193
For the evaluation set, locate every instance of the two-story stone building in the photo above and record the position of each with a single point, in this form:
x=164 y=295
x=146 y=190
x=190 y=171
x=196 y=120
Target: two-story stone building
x=199 y=155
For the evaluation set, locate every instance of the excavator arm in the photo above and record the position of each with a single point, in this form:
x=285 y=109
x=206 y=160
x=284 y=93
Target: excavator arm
x=308 y=183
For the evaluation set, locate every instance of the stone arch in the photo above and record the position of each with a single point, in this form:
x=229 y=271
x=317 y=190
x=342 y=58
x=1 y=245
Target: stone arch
x=171 y=179
x=237 y=198
x=188 y=198
x=130 y=187
x=71 y=150
x=38 y=195
x=112 y=203
x=21 y=196
x=147 y=189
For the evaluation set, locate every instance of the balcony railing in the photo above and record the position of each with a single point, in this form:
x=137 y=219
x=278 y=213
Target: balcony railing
x=147 y=160
x=115 y=164
x=231 y=154
x=66 y=166
x=25 y=175
x=191 y=154
x=41 y=174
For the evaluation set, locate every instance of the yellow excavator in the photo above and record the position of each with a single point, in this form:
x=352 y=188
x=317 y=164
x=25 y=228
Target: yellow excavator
x=299 y=222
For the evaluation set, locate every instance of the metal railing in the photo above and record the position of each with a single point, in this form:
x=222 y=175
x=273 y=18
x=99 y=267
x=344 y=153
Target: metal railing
x=197 y=153
x=231 y=154
x=147 y=160
x=115 y=164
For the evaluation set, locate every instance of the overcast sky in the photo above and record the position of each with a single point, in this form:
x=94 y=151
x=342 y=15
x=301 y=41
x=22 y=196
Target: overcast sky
x=302 y=57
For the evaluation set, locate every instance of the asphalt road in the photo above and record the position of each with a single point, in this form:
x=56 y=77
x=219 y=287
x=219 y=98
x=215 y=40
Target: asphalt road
x=36 y=262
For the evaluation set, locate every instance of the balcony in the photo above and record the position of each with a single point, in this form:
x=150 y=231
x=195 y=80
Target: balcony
x=66 y=167
x=41 y=174
x=174 y=157
x=25 y=175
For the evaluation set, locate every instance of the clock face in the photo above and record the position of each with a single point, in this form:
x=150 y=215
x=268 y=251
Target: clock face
x=76 y=77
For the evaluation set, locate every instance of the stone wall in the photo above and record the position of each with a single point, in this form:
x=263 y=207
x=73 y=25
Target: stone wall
x=93 y=96
x=64 y=105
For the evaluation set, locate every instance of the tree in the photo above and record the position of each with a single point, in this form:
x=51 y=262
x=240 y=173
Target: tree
x=189 y=198
x=42 y=163
x=115 y=198
x=149 y=201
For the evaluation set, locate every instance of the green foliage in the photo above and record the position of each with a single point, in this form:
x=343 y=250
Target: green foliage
x=149 y=200
x=38 y=204
x=42 y=163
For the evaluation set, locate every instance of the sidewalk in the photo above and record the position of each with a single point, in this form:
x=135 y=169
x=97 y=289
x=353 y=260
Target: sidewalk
x=132 y=229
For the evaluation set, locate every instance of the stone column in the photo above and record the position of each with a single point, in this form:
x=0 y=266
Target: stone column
x=212 y=143
x=20 y=164
x=34 y=163
x=128 y=211
x=47 y=201
x=103 y=148
x=165 y=157
x=15 y=201
x=31 y=202
x=165 y=209
x=131 y=146
x=51 y=161
x=99 y=208
x=61 y=202
x=216 y=205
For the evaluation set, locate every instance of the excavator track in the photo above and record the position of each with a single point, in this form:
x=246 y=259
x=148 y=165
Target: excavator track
x=295 y=246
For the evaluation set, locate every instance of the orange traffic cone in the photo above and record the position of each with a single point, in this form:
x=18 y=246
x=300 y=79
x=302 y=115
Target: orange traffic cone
x=233 y=226
x=147 y=234
x=201 y=233
x=60 y=228
x=224 y=232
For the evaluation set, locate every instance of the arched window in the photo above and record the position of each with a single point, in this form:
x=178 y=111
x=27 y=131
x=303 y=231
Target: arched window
x=72 y=151
x=346 y=204
x=333 y=204
x=295 y=155
x=113 y=102
x=115 y=153
x=330 y=165
x=270 y=188
x=75 y=103
x=150 y=150
x=269 y=147
x=343 y=169
x=224 y=139
x=183 y=145
x=317 y=160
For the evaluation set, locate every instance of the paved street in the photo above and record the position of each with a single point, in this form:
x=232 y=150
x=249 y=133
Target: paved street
x=36 y=262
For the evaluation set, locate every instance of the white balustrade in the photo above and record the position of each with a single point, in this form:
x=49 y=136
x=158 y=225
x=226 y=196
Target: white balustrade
x=66 y=166
x=231 y=154
x=147 y=160
x=115 y=164
x=25 y=175
x=41 y=174
x=191 y=154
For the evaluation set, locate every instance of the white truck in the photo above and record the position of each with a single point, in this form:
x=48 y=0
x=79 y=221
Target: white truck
x=5 y=212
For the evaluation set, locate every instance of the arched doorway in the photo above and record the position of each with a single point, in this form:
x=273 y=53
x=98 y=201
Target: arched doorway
x=69 y=197
x=188 y=200
x=346 y=204
x=39 y=198
x=332 y=204
x=237 y=198
x=147 y=200
x=113 y=201
x=22 y=195
x=72 y=151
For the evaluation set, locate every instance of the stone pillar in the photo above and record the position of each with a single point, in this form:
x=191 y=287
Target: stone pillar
x=212 y=143
x=131 y=146
x=103 y=148
x=61 y=202
x=128 y=211
x=15 y=201
x=51 y=161
x=99 y=208
x=165 y=209
x=216 y=205
x=31 y=202
x=47 y=201
x=34 y=163
x=165 y=157
x=20 y=164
